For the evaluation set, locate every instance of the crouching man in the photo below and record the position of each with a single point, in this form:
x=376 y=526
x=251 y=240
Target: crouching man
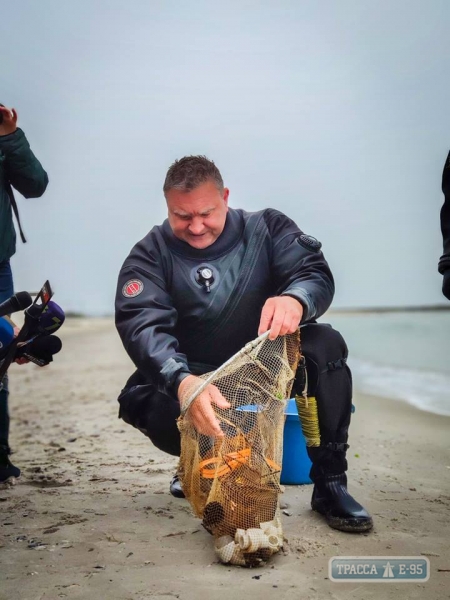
x=200 y=286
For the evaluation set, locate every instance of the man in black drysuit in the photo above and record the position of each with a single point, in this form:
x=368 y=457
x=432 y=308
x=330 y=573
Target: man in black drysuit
x=197 y=288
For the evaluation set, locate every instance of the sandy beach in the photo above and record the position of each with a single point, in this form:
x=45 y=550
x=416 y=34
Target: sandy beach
x=92 y=517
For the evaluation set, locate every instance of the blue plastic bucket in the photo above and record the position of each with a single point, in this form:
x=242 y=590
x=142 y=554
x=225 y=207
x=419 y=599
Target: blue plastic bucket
x=296 y=462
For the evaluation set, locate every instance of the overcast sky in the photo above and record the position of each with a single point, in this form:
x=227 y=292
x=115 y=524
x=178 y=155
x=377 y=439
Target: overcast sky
x=335 y=112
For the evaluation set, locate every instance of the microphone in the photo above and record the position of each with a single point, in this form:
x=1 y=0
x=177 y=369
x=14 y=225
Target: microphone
x=40 y=323
x=45 y=322
x=31 y=323
x=40 y=351
x=19 y=301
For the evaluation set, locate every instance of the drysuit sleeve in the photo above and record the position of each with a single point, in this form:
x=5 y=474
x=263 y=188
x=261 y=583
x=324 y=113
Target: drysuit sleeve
x=298 y=266
x=145 y=319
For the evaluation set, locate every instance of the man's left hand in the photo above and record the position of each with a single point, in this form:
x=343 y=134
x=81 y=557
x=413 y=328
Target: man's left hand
x=282 y=315
x=9 y=123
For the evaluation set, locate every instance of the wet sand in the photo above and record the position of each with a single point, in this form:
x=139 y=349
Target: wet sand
x=92 y=517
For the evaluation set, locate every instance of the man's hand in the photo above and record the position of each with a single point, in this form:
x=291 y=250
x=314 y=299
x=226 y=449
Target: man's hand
x=282 y=315
x=9 y=123
x=201 y=412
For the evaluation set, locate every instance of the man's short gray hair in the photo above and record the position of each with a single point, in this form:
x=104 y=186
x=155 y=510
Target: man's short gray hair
x=189 y=172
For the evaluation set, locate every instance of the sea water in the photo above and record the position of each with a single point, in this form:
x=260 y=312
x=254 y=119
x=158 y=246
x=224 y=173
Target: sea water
x=399 y=355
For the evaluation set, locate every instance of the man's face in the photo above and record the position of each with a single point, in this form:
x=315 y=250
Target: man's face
x=198 y=217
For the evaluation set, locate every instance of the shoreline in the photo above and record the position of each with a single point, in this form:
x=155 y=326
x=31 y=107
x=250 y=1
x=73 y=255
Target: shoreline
x=75 y=325
x=388 y=309
x=91 y=516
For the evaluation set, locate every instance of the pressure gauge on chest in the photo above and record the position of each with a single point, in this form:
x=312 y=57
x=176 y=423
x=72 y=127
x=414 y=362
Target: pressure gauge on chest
x=205 y=277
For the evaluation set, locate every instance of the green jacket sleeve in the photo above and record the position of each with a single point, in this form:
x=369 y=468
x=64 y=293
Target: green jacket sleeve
x=22 y=168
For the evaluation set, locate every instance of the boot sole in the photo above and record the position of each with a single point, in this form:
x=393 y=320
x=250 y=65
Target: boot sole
x=176 y=491
x=349 y=525
x=177 y=494
x=9 y=481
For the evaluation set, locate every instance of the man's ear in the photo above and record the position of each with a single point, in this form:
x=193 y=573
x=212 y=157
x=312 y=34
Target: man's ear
x=226 y=193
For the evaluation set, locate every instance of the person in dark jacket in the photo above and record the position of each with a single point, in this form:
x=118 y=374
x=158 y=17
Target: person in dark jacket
x=444 y=262
x=197 y=288
x=20 y=169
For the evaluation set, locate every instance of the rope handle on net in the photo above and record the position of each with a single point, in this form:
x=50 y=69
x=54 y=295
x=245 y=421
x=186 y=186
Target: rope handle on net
x=245 y=350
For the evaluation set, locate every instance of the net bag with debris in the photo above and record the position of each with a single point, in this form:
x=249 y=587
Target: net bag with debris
x=233 y=482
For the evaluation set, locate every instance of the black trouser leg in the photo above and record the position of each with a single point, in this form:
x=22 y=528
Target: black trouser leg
x=152 y=412
x=330 y=382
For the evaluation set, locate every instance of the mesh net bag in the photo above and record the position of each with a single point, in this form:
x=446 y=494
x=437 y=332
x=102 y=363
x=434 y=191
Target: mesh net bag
x=233 y=481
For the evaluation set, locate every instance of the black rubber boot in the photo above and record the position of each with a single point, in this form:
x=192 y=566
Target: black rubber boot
x=175 y=487
x=330 y=495
x=331 y=499
x=325 y=376
x=7 y=469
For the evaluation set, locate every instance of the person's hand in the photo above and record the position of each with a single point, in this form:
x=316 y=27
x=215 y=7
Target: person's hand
x=282 y=315
x=9 y=122
x=201 y=412
x=19 y=361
